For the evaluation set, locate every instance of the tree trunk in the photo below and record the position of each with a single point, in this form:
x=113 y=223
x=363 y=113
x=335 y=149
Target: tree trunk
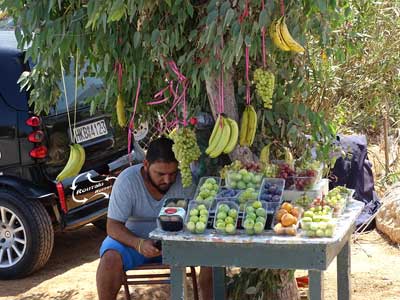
x=284 y=285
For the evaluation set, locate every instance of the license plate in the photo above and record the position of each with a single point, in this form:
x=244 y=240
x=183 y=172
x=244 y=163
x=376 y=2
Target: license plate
x=90 y=131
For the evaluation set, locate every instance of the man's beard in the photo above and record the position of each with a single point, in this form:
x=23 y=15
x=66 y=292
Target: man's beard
x=148 y=177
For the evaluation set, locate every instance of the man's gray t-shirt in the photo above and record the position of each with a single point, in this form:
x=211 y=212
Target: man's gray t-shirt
x=130 y=201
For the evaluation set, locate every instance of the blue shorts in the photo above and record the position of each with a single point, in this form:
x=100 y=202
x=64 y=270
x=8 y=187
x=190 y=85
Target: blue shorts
x=130 y=257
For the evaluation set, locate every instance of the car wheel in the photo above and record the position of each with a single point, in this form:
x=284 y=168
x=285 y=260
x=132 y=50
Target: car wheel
x=101 y=224
x=26 y=235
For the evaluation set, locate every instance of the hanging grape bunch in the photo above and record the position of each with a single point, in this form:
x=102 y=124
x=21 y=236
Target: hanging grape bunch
x=265 y=82
x=186 y=151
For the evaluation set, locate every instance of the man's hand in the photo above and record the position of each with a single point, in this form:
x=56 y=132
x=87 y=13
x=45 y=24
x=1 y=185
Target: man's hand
x=148 y=249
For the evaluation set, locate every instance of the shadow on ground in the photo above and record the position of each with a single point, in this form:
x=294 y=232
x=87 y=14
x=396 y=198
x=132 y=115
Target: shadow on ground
x=71 y=249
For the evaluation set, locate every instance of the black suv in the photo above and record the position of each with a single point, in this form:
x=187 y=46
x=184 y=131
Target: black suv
x=33 y=150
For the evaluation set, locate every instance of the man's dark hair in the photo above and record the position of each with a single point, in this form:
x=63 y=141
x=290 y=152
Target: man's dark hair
x=160 y=150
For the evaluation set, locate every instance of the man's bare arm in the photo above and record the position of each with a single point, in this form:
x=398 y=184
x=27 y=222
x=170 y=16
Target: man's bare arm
x=120 y=233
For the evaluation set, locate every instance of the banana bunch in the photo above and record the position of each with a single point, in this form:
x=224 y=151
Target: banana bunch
x=224 y=137
x=265 y=82
x=248 y=126
x=282 y=38
x=120 y=109
x=77 y=157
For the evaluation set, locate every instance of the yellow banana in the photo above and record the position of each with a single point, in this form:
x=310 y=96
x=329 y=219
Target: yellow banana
x=252 y=126
x=223 y=140
x=287 y=37
x=264 y=154
x=82 y=157
x=212 y=140
x=274 y=32
x=120 y=108
x=71 y=166
x=288 y=156
x=243 y=127
x=234 y=136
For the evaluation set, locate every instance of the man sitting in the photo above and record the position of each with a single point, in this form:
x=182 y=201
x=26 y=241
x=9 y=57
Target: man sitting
x=135 y=203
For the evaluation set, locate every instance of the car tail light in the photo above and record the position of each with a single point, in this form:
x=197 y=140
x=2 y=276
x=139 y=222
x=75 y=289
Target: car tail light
x=61 y=197
x=36 y=136
x=34 y=121
x=38 y=152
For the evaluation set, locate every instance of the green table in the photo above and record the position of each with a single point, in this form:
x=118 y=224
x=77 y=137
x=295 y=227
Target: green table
x=181 y=249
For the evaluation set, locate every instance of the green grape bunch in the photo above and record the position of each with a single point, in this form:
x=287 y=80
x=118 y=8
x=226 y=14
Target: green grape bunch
x=186 y=150
x=265 y=82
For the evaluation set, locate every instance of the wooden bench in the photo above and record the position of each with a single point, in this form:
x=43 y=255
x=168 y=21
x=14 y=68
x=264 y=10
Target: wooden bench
x=155 y=277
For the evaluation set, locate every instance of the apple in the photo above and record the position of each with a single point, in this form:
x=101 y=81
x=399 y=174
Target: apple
x=221 y=215
x=230 y=228
x=194 y=212
x=191 y=226
x=203 y=218
x=233 y=213
x=258 y=227
x=194 y=219
x=257 y=204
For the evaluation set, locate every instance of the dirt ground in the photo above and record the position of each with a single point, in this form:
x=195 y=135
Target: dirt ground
x=70 y=272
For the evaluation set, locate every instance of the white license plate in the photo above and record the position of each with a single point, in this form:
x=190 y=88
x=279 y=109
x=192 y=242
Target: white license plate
x=90 y=131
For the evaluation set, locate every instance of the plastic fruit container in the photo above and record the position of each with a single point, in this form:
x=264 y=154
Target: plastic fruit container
x=286 y=219
x=207 y=189
x=255 y=217
x=176 y=202
x=324 y=228
x=196 y=217
x=271 y=190
x=171 y=218
x=303 y=183
x=242 y=179
x=247 y=195
x=226 y=217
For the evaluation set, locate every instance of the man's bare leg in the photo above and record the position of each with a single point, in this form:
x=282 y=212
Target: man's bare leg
x=205 y=283
x=109 y=275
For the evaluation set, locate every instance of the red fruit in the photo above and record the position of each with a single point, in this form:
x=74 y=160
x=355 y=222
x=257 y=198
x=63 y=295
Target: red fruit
x=193 y=121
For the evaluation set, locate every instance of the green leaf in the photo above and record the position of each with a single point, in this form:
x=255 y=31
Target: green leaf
x=136 y=39
x=189 y=9
x=154 y=37
x=192 y=35
x=239 y=43
x=247 y=41
x=228 y=17
x=117 y=11
x=212 y=17
x=262 y=19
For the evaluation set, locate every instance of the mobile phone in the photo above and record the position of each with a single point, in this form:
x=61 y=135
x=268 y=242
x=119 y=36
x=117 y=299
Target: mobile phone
x=157 y=244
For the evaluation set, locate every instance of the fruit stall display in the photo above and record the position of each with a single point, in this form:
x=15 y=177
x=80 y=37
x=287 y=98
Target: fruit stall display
x=254 y=211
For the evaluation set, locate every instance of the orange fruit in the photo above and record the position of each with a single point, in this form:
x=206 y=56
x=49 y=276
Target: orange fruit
x=278 y=228
x=295 y=212
x=288 y=219
x=287 y=206
x=280 y=213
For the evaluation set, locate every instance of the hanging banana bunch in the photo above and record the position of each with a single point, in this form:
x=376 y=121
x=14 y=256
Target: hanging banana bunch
x=224 y=136
x=120 y=109
x=282 y=38
x=248 y=126
x=77 y=157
